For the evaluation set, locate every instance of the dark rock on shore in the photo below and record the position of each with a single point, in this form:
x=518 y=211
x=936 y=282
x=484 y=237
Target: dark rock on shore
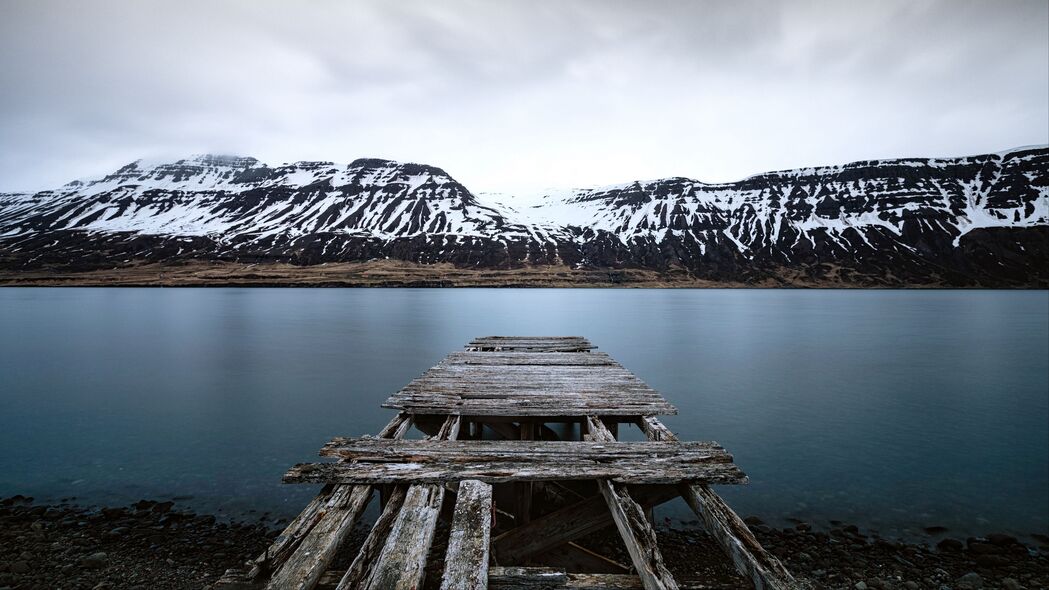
x=143 y=546
x=46 y=547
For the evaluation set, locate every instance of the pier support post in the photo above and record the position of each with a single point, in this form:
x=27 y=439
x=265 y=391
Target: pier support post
x=523 y=513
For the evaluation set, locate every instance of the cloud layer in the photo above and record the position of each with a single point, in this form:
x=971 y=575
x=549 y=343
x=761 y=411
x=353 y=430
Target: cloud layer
x=514 y=96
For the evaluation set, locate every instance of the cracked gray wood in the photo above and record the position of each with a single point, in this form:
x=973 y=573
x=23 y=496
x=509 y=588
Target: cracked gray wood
x=466 y=561
x=303 y=551
x=529 y=384
x=401 y=563
x=634 y=528
x=567 y=524
x=725 y=526
x=373 y=544
x=383 y=461
x=546 y=578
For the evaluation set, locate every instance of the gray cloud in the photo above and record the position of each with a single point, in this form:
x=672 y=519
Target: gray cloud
x=514 y=95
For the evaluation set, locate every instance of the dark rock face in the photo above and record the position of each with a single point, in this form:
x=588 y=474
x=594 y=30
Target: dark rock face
x=975 y=221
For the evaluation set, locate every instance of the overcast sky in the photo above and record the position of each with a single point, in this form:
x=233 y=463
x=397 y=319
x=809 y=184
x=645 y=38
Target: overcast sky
x=515 y=96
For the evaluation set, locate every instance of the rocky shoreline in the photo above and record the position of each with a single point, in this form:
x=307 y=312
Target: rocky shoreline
x=154 y=545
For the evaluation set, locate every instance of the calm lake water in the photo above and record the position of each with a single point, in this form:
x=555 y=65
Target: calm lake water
x=894 y=410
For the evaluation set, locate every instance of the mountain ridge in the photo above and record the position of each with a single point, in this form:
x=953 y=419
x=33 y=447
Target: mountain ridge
x=972 y=221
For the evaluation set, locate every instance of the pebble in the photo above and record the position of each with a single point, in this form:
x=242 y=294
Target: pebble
x=95 y=561
x=19 y=567
x=970 y=581
x=1001 y=540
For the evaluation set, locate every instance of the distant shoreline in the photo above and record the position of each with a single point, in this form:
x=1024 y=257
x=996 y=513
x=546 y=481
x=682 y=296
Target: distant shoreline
x=400 y=274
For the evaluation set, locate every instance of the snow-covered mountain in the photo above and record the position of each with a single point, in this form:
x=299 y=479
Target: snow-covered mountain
x=957 y=221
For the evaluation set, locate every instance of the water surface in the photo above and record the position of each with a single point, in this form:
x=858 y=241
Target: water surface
x=895 y=410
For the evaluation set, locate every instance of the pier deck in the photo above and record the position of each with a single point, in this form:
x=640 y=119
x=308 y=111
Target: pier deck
x=514 y=493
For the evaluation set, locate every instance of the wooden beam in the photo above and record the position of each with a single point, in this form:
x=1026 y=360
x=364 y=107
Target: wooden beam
x=725 y=526
x=402 y=562
x=567 y=524
x=362 y=564
x=525 y=578
x=466 y=562
x=304 y=567
x=327 y=519
x=523 y=511
x=401 y=565
x=574 y=557
x=507 y=430
x=634 y=528
x=547 y=578
x=435 y=461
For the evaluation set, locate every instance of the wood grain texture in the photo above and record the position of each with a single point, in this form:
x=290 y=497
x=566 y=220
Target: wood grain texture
x=725 y=526
x=383 y=461
x=374 y=543
x=531 y=343
x=304 y=567
x=401 y=565
x=523 y=382
x=466 y=561
x=635 y=529
x=567 y=524
x=546 y=578
x=327 y=510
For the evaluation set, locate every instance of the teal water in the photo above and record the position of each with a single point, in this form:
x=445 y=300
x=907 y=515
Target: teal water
x=894 y=410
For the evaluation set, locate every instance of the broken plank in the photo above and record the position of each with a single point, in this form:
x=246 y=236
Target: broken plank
x=323 y=506
x=546 y=578
x=401 y=563
x=763 y=569
x=636 y=471
x=575 y=557
x=567 y=524
x=634 y=528
x=466 y=561
x=382 y=461
x=526 y=358
x=304 y=567
x=433 y=451
x=373 y=544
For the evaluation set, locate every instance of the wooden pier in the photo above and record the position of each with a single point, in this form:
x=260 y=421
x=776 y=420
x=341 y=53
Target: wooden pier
x=520 y=460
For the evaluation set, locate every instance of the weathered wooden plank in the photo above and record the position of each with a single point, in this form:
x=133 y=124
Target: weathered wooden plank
x=372 y=547
x=531 y=343
x=525 y=578
x=368 y=449
x=323 y=506
x=567 y=524
x=527 y=384
x=523 y=512
x=305 y=566
x=577 y=558
x=634 y=528
x=530 y=358
x=546 y=578
x=401 y=563
x=466 y=562
x=550 y=578
x=726 y=527
x=384 y=461
x=641 y=470
x=566 y=405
